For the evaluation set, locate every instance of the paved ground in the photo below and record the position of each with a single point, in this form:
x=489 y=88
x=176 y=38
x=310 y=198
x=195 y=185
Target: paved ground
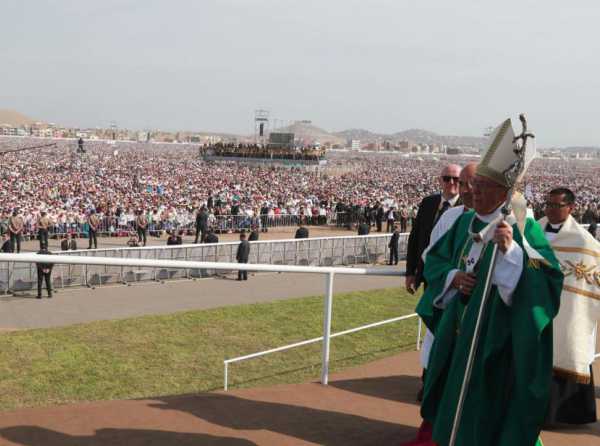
x=120 y=242
x=78 y=305
x=369 y=405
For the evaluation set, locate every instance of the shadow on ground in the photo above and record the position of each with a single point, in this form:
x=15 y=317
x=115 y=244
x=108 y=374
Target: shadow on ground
x=401 y=388
x=36 y=436
x=313 y=425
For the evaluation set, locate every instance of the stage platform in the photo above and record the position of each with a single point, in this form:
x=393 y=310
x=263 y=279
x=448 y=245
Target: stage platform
x=369 y=405
x=267 y=161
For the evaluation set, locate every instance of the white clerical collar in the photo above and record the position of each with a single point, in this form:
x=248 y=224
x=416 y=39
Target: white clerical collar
x=490 y=217
x=557 y=226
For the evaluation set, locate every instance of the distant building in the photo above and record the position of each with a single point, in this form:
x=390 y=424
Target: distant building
x=355 y=144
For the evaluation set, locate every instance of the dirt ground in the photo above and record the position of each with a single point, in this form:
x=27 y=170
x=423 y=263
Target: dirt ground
x=369 y=405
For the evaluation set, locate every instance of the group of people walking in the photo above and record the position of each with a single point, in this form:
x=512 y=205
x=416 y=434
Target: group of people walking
x=532 y=364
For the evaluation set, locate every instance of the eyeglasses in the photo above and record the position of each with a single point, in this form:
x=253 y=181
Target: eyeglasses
x=555 y=205
x=448 y=178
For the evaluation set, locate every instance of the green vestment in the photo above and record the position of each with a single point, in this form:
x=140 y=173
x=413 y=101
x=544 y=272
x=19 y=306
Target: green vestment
x=509 y=390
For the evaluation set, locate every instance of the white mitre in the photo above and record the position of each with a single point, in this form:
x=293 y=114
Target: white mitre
x=501 y=164
x=501 y=155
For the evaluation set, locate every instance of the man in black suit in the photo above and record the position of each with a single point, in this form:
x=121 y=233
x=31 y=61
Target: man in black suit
x=367 y=214
x=44 y=273
x=379 y=216
x=211 y=237
x=201 y=224
x=430 y=210
x=302 y=231
x=264 y=217
x=68 y=243
x=393 y=245
x=243 y=253
x=173 y=239
x=253 y=234
x=363 y=227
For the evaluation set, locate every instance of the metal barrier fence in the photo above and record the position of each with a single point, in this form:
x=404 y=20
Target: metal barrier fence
x=320 y=251
x=115 y=227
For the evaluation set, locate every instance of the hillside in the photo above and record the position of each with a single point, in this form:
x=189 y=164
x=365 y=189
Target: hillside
x=14 y=118
x=412 y=135
x=311 y=133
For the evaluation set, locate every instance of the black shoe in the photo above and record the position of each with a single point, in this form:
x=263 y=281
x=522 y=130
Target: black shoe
x=39 y=297
x=49 y=296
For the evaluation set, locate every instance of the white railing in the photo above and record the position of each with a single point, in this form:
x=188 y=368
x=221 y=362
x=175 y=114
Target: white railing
x=330 y=272
x=317 y=251
x=324 y=373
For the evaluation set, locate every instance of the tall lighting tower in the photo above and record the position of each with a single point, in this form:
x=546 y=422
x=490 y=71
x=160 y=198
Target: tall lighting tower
x=261 y=125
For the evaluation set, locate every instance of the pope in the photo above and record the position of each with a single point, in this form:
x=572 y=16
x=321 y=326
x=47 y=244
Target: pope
x=508 y=393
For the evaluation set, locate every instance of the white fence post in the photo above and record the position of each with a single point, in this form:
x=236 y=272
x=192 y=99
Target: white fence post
x=226 y=376
x=328 y=305
x=419 y=335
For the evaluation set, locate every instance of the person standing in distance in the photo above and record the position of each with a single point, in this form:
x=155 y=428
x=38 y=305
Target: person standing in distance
x=68 y=243
x=201 y=225
x=242 y=255
x=211 y=237
x=94 y=224
x=253 y=234
x=302 y=231
x=363 y=227
x=15 y=229
x=44 y=273
x=43 y=225
x=141 y=222
x=393 y=245
x=430 y=210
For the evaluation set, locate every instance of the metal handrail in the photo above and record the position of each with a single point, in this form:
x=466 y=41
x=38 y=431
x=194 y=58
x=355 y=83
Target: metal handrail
x=312 y=341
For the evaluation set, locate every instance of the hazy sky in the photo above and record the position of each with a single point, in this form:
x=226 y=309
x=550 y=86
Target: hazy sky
x=453 y=67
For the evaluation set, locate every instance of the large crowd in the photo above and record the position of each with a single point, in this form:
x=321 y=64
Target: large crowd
x=169 y=183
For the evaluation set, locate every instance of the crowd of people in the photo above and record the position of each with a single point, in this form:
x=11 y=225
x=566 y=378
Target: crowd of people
x=169 y=183
x=268 y=151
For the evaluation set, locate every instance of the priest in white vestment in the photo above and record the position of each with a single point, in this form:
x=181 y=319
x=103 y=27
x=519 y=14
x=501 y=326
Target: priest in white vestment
x=572 y=397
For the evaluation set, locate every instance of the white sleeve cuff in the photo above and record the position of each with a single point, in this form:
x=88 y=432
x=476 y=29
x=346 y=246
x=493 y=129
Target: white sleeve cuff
x=448 y=293
x=507 y=273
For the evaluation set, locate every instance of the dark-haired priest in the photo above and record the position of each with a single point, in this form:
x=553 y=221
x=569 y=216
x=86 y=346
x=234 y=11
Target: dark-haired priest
x=573 y=399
